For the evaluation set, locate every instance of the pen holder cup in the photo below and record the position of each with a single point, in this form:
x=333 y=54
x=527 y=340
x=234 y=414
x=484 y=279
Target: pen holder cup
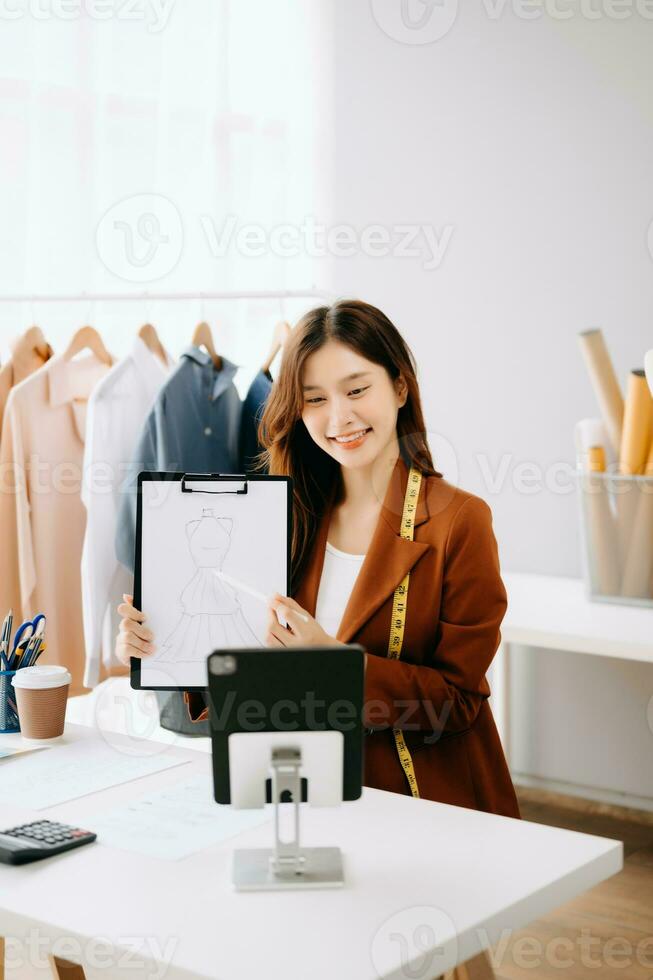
x=8 y=711
x=616 y=520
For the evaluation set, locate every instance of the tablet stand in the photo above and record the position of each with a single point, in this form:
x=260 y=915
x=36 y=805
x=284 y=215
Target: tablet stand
x=287 y=865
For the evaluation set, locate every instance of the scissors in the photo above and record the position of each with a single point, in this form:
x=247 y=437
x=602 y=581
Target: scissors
x=28 y=629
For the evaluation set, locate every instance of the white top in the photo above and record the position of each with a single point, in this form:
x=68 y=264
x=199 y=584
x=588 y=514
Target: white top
x=116 y=412
x=339 y=572
x=459 y=877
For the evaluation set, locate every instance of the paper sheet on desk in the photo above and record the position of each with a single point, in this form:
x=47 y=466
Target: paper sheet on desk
x=66 y=772
x=6 y=753
x=174 y=822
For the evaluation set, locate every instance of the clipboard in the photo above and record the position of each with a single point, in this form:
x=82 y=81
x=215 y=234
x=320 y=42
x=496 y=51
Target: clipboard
x=190 y=529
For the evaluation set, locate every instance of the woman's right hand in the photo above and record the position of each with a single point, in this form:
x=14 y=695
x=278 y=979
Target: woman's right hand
x=134 y=639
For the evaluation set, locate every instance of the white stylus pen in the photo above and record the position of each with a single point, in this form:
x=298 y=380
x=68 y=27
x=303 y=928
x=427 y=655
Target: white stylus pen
x=237 y=584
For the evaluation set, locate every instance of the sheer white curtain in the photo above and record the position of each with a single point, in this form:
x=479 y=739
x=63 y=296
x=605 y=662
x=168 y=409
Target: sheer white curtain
x=159 y=145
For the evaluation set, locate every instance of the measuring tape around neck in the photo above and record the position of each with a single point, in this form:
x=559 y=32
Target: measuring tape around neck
x=398 y=621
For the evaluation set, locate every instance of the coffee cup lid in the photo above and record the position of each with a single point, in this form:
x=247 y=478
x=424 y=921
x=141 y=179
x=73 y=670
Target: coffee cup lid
x=39 y=677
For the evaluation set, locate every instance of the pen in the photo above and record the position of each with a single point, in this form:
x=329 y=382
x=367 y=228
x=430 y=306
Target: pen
x=21 y=657
x=237 y=584
x=5 y=637
x=36 y=651
x=32 y=651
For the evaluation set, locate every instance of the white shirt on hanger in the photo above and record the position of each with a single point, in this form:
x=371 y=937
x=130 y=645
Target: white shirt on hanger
x=339 y=573
x=116 y=413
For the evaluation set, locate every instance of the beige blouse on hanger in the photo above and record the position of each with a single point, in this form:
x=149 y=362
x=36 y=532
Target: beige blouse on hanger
x=42 y=518
x=28 y=354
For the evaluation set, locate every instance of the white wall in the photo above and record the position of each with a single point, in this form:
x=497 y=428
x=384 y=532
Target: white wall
x=533 y=141
x=137 y=156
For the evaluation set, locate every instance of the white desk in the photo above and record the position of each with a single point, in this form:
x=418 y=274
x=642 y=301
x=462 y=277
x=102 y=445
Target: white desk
x=554 y=613
x=411 y=866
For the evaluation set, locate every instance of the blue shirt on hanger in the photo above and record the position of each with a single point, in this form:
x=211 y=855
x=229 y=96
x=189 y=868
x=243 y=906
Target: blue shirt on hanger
x=253 y=406
x=193 y=426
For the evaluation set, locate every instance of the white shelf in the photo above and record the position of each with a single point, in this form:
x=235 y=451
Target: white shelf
x=554 y=613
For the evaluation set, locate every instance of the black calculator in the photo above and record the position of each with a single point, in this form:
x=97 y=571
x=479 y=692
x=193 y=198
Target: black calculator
x=40 y=839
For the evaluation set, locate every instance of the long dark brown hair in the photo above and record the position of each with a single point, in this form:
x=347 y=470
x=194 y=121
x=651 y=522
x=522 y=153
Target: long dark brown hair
x=289 y=450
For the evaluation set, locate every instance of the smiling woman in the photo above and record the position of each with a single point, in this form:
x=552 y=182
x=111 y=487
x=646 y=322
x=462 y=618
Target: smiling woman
x=346 y=399
x=372 y=520
x=386 y=554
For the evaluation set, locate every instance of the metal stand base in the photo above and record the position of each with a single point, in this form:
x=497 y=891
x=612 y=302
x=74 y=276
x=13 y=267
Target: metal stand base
x=253 y=870
x=286 y=865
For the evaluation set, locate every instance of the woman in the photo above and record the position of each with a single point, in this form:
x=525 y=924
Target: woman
x=344 y=420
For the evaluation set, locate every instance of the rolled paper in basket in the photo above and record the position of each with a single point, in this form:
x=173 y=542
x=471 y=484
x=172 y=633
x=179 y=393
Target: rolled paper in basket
x=589 y=433
x=648 y=369
x=601 y=543
x=604 y=382
x=635 y=442
x=638 y=565
x=638 y=418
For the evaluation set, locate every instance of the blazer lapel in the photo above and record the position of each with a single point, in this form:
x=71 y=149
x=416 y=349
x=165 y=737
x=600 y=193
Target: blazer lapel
x=387 y=561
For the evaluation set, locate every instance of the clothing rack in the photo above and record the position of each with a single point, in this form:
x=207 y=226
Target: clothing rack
x=156 y=297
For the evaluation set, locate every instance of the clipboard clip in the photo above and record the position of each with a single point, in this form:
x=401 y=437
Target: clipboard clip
x=214 y=483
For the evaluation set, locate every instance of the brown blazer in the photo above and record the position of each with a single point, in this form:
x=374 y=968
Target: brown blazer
x=437 y=692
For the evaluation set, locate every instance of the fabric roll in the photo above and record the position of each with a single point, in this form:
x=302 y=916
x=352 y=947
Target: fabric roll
x=604 y=382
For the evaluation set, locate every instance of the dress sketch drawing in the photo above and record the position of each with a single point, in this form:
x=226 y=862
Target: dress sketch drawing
x=212 y=617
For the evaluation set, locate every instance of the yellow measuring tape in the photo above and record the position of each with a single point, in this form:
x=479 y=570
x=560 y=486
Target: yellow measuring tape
x=398 y=621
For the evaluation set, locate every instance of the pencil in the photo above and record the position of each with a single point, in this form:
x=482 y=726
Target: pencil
x=237 y=584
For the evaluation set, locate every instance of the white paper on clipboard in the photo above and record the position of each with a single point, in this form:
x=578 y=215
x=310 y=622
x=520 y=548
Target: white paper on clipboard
x=185 y=538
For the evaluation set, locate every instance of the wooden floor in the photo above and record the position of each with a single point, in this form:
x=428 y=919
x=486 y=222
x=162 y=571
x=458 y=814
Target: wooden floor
x=608 y=931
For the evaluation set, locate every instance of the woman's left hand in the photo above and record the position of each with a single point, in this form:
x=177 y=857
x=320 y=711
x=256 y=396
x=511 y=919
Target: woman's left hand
x=300 y=632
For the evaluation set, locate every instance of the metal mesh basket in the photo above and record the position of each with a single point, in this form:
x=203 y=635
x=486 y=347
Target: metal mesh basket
x=616 y=518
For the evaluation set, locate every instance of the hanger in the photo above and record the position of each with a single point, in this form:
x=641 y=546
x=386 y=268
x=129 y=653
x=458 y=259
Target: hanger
x=87 y=338
x=150 y=338
x=202 y=337
x=33 y=338
x=280 y=335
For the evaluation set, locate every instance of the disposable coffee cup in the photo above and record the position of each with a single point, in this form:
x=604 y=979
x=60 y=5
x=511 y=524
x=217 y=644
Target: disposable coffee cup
x=41 y=696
